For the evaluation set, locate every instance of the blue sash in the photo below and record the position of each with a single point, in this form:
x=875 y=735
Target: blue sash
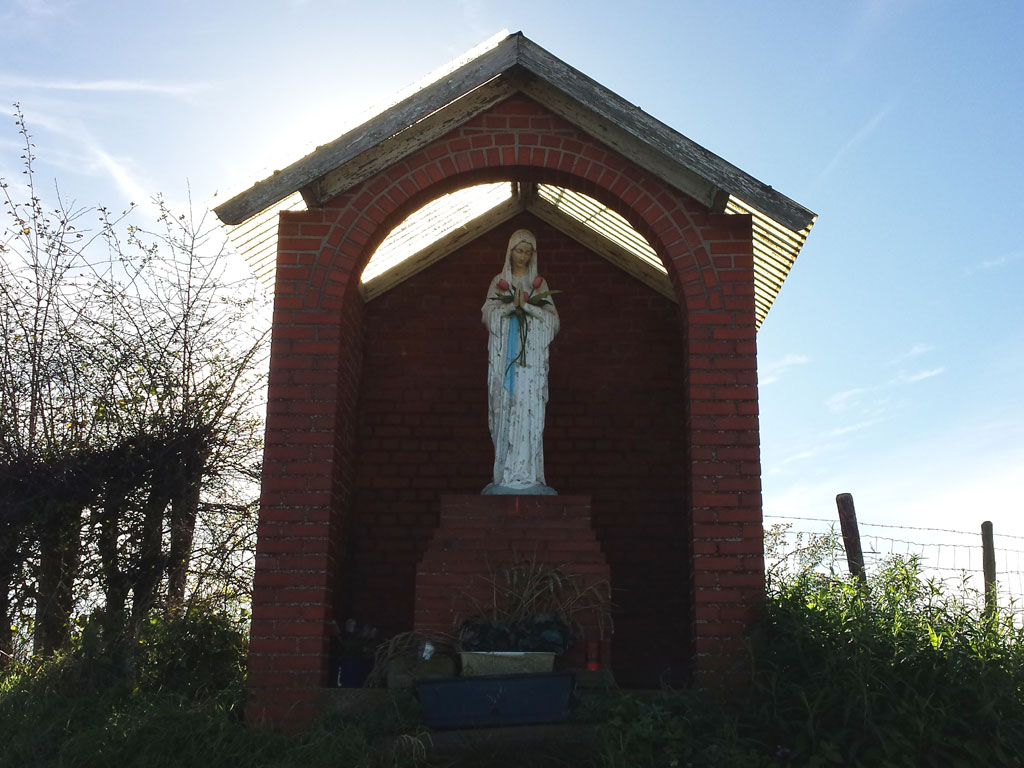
x=511 y=352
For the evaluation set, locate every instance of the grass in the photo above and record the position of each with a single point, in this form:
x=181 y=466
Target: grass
x=903 y=672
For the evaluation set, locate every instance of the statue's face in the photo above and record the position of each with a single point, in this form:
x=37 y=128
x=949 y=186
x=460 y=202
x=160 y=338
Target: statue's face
x=521 y=255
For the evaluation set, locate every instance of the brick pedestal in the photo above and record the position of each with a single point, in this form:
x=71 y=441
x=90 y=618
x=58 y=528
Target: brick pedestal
x=479 y=534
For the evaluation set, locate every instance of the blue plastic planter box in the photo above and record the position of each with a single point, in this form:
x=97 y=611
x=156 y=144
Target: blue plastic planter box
x=495 y=700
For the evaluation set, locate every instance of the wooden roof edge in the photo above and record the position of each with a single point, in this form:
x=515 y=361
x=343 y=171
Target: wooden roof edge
x=703 y=162
x=515 y=52
x=391 y=121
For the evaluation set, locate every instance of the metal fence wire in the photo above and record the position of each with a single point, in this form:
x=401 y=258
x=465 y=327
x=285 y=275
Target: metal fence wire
x=955 y=557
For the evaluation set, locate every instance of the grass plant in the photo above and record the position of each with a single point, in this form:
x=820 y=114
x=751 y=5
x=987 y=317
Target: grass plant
x=904 y=672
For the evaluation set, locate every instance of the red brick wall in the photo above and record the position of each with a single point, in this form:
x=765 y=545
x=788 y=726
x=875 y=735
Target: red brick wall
x=317 y=355
x=615 y=431
x=479 y=536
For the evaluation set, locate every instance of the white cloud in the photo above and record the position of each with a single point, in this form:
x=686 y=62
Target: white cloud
x=858 y=398
x=859 y=426
x=913 y=378
x=39 y=7
x=841 y=402
x=915 y=351
x=996 y=263
x=866 y=130
x=108 y=86
x=772 y=371
x=86 y=154
x=782 y=466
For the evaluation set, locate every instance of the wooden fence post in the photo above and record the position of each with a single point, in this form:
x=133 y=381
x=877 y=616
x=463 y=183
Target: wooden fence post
x=851 y=536
x=989 y=563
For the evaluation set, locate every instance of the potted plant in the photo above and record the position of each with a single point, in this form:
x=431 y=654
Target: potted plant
x=534 y=614
x=508 y=646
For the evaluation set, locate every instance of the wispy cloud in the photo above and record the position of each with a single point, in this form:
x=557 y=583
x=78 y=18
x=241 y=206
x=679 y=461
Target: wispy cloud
x=859 y=426
x=913 y=378
x=39 y=7
x=800 y=456
x=120 y=172
x=772 y=371
x=858 y=138
x=915 y=351
x=874 y=401
x=841 y=402
x=996 y=263
x=105 y=86
x=84 y=153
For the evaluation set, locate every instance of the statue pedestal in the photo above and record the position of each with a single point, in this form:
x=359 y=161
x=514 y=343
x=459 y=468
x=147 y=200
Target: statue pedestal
x=479 y=534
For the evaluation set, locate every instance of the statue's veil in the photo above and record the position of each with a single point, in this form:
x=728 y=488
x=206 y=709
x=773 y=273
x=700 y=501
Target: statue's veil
x=520 y=236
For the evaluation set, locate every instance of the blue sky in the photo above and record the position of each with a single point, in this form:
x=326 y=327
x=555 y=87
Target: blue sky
x=892 y=365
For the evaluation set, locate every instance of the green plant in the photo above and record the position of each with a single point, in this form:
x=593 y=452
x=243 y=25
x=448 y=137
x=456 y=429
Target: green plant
x=534 y=607
x=903 y=671
x=406 y=649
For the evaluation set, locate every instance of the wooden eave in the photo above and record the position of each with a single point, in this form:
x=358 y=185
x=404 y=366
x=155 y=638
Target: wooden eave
x=515 y=65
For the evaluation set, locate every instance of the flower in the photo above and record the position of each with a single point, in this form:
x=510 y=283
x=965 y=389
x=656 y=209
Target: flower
x=503 y=285
x=537 y=282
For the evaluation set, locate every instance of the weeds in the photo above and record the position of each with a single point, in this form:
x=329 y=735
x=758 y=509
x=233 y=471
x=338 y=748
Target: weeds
x=904 y=671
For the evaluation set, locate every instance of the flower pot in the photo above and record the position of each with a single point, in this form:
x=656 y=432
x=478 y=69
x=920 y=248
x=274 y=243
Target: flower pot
x=495 y=700
x=505 y=662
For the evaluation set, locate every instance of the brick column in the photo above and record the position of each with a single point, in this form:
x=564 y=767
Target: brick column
x=316 y=354
x=727 y=574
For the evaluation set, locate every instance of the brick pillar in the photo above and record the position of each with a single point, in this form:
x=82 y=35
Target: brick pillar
x=727 y=574
x=316 y=355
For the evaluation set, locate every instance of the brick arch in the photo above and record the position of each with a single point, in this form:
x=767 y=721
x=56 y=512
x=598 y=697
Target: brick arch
x=362 y=218
x=555 y=178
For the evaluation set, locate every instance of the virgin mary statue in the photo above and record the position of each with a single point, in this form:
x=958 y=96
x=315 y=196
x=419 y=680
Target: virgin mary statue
x=521 y=320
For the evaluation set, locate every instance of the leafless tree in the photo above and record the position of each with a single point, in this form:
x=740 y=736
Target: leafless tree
x=131 y=379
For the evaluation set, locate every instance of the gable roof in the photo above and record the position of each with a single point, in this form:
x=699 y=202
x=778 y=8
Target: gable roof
x=517 y=64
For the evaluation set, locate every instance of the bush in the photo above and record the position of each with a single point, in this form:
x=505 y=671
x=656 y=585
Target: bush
x=170 y=698
x=197 y=655
x=901 y=672
x=904 y=671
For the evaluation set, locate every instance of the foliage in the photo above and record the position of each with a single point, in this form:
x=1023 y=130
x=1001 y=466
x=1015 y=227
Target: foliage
x=905 y=671
x=85 y=708
x=130 y=380
x=534 y=607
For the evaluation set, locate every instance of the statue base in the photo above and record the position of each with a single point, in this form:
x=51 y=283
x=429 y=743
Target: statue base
x=478 y=536
x=531 y=490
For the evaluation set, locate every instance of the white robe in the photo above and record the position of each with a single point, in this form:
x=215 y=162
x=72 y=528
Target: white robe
x=516 y=419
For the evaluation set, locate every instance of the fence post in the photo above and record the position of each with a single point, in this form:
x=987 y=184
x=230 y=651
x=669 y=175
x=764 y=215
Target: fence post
x=989 y=563
x=851 y=536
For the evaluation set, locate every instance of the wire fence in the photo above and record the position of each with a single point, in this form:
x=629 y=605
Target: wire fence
x=956 y=557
